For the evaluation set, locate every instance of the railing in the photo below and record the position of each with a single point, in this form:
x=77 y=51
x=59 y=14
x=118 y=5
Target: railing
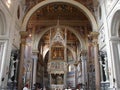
x=57 y=87
x=4 y=88
x=7 y=88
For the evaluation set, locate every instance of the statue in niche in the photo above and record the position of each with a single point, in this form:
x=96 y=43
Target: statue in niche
x=12 y=67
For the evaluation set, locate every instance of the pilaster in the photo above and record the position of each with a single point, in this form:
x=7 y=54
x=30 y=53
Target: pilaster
x=76 y=64
x=21 y=63
x=94 y=36
x=84 y=68
x=35 y=58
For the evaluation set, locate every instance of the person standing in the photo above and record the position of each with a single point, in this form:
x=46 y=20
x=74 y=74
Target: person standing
x=26 y=87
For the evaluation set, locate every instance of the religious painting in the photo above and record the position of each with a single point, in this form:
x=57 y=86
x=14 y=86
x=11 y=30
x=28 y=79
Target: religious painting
x=57 y=53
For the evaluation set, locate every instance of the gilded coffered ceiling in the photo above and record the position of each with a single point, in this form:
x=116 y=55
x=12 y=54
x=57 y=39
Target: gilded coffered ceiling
x=32 y=3
x=67 y=14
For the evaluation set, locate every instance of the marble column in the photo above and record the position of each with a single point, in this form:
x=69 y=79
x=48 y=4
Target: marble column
x=21 y=62
x=35 y=58
x=90 y=64
x=96 y=60
x=83 y=61
x=76 y=64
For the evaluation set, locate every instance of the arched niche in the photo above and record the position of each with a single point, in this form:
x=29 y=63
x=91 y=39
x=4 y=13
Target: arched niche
x=72 y=2
x=2 y=23
x=115 y=25
x=115 y=46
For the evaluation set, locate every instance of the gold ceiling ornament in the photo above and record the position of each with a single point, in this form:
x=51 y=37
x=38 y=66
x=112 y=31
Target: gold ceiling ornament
x=59 y=7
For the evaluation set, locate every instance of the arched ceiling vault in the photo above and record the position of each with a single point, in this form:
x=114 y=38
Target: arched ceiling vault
x=73 y=15
x=71 y=2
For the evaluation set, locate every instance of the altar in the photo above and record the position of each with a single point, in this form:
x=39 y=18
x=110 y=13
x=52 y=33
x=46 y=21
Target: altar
x=57 y=64
x=57 y=70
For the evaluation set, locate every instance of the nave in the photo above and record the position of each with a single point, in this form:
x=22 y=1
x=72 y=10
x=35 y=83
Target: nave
x=60 y=44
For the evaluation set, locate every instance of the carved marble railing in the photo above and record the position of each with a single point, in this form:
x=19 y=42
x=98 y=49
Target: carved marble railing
x=57 y=67
x=57 y=87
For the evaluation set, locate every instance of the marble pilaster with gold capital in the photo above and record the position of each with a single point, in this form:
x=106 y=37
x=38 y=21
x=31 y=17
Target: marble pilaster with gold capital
x=89 y=56
x=76 y=80
x=96 y=59
x=35 y=59
x=94 y=36
x=84 y=68
x=21 y=62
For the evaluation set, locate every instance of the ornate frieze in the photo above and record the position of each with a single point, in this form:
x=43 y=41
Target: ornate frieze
x=57 y=67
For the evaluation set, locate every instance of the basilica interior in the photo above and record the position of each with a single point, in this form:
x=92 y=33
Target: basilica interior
x=60 y=44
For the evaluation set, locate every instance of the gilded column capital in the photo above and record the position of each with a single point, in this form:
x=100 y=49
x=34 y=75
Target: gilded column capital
x=35 y=52
x=23 y=35
x=94 y=36
x=89 y=38
x=83 y=52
